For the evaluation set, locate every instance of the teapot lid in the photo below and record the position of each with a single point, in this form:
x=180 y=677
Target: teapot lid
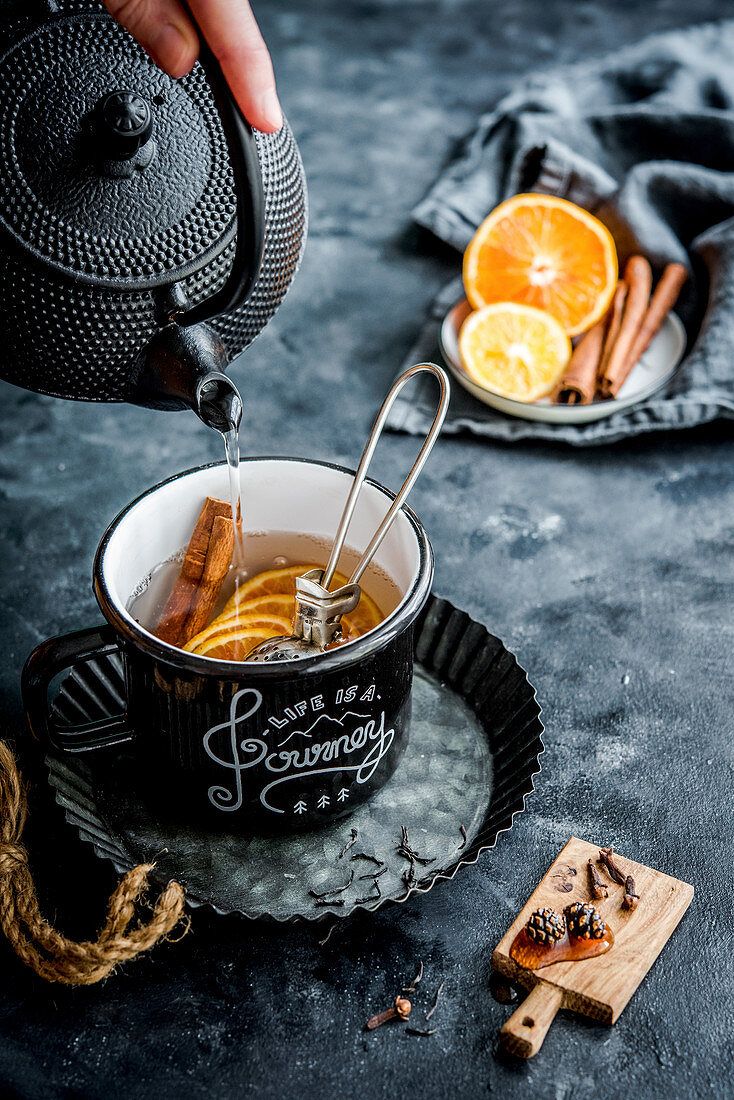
x=112 y=172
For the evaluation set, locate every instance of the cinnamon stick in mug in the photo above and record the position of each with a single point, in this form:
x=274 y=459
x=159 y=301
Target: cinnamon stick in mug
x=207 y=562
x=638 y=276
x=578 y=384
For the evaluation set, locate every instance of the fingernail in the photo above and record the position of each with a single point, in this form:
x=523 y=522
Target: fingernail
x=170 y=50
x=270 y=108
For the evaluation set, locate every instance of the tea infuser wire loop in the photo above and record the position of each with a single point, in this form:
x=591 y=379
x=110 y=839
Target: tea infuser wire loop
x=370 y=448
x=319 y=611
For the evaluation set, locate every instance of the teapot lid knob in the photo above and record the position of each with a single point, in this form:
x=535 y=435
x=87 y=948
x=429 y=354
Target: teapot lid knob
x=124 y=123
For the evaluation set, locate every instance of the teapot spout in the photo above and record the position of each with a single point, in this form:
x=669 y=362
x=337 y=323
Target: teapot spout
x=218 y=402
x=184 y=368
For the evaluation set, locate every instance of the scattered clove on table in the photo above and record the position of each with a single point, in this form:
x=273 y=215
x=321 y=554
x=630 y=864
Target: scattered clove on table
x=402 y=1008
x=399 y=1011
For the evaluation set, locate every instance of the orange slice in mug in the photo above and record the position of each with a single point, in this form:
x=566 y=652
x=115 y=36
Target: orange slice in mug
x=234 y=631
x=233 y=646
x=546 y=252
x=271 y=582
x=256 y=594
x=278 y=606
x=366 y=615
x=279 y=603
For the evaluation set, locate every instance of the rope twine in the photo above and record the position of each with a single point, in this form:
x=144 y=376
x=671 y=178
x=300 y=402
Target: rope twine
x=50 y=954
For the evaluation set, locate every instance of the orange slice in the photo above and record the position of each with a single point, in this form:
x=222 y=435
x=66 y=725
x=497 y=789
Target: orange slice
x=366 y=616
x=271 y=582
x=546 y=252
x=236 y=647
x=280 y=606
x=516 y=351
x=264 y=607
x=231 y=627
x=275 y=584
x=280 y=603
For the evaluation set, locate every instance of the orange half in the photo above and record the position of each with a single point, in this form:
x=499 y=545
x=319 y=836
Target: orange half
x=545 y=252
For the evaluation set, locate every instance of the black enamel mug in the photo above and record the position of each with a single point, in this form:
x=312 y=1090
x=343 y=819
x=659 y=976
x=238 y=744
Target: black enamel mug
x=259 y=747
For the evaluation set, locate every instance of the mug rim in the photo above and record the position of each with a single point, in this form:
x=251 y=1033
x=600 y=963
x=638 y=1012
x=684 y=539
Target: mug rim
x=344 y=656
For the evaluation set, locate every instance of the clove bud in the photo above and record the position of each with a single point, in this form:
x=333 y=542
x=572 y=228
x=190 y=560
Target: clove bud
x=606 y=856
x=399 y=1011
x=598 y=888
x=631 y=897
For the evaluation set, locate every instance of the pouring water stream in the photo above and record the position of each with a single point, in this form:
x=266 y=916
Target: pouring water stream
x=319 y=611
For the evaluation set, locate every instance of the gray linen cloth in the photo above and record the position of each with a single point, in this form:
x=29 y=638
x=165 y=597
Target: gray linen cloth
x=645 y=140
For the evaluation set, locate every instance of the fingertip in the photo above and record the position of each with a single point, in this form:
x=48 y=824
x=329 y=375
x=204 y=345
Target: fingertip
x=266 y=127
x=270 y=115
x=175 y=49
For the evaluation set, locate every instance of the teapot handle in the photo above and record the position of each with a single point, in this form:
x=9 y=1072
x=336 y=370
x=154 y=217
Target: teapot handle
x=249 y=198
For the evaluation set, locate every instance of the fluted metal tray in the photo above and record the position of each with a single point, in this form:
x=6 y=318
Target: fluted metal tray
x=474 y=749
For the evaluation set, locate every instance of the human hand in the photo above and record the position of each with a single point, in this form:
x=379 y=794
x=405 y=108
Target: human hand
x=165 y=31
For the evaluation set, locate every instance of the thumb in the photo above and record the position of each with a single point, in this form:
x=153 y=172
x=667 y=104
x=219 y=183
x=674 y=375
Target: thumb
x=163 y=30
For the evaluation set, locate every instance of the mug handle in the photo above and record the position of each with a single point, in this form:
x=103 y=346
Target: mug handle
x=48 y=660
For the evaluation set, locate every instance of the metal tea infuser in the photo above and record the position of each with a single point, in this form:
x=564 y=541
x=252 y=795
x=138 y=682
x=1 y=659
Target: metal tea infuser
x=318 y=611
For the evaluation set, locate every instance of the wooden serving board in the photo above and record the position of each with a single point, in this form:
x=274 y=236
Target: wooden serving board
x=599 y=987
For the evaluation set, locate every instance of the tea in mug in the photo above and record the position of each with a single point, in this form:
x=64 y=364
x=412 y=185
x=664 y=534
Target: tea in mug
x=206 y=603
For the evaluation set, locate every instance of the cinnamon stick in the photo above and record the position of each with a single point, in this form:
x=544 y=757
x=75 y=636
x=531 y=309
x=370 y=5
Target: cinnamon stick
x=613 y=325
x=664 y=298
x=207 y=561
x=614 y=321
x=578 y=384
x=638 y=276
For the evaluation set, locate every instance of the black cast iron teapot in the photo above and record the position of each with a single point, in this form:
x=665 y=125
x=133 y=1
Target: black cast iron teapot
x=147 y=233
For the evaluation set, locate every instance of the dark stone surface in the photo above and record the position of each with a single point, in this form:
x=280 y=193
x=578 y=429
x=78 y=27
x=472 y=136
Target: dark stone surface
x=607 y=571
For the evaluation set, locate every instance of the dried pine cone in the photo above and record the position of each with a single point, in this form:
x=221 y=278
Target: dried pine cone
x=584 y=921
x=546 y=926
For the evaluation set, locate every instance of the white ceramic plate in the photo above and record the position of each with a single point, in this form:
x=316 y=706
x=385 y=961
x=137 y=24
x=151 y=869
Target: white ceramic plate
x=656 y=367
